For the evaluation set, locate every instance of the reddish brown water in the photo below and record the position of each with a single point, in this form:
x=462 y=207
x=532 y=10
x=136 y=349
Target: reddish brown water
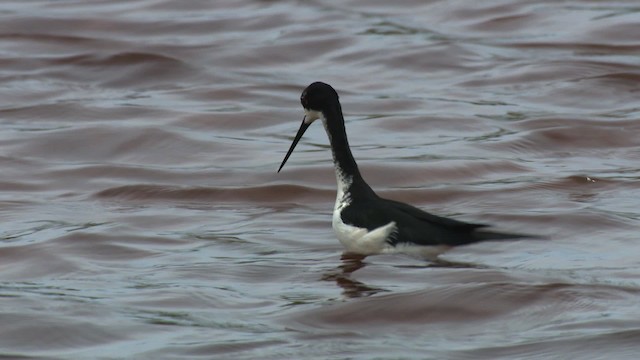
x=142 y=215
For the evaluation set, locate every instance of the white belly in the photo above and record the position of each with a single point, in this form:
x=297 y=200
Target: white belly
x=362 y=241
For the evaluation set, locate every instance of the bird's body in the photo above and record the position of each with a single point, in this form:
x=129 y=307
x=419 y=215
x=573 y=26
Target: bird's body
x=365 y=223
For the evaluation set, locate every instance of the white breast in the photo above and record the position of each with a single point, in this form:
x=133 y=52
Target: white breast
x=356 y=239
x=362 y=241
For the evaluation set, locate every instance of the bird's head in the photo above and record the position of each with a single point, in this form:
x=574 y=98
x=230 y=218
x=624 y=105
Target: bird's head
x=316 y=100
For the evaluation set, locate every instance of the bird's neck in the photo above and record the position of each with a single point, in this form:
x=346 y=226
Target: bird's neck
x=347 y=173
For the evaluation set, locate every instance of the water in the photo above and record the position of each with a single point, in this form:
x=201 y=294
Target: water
x=142 y=215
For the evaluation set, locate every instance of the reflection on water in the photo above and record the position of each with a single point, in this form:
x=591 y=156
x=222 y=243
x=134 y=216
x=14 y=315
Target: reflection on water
x=352 y=288
x=142 y=216
x=342 y=277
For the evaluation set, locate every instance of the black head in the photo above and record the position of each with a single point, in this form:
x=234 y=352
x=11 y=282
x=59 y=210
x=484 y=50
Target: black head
x=318 y=96
x=316 y=99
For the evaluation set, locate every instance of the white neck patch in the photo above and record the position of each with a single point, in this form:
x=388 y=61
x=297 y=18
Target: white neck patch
x=343 y=197
x=311 y=116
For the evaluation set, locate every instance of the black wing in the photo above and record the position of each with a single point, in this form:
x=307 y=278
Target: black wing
x=417 y=226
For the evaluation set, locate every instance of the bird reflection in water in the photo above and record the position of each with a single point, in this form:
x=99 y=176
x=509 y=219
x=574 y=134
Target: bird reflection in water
x=342 y=276
x=352 y=262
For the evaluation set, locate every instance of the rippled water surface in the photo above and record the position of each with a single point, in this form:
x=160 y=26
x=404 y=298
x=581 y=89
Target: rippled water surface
x=142 y=215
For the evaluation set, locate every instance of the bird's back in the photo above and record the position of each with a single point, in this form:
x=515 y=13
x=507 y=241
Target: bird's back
x=417 y=227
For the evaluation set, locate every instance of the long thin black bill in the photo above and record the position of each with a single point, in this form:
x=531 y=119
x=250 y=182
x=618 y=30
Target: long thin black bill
x=303 y=128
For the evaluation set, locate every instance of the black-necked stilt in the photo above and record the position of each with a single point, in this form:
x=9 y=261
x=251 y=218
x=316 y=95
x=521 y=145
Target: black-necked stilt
x=366 y=223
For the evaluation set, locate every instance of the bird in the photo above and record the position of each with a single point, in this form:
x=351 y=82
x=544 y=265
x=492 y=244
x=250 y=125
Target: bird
x=365 y=223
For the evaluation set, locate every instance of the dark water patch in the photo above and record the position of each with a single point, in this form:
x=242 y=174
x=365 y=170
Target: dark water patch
x=43 y=262
x=100 y=247
x=568 y=138
x=128 y=68
x=444 y=172
x=94 y=143
x=461 y=304
x=623 y=343
x=260 y=194
x=37 y=117
x=53 y=333
x=45 y=38
x=18 y=186
x=223 y=348
x=585 y=48
x=551 y=71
